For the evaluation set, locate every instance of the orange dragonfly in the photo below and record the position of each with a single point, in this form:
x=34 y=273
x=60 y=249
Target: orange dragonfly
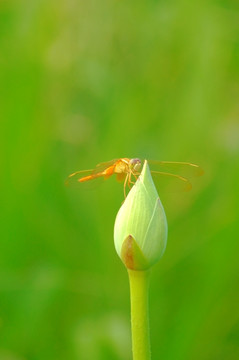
x=128 y=170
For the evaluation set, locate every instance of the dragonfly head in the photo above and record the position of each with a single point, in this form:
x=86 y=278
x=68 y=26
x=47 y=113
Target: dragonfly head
x=135 y=164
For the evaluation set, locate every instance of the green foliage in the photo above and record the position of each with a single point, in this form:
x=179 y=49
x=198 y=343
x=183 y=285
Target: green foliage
x=84 y=82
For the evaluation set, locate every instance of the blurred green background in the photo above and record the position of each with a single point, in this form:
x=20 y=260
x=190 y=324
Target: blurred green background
x=87 y=81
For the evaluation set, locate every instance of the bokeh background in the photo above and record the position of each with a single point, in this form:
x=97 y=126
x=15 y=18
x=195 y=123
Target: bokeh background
x=88 y=81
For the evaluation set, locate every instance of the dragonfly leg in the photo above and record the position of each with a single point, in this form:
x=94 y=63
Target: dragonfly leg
x=135 y=175
x=125 y=182
x=129 y=179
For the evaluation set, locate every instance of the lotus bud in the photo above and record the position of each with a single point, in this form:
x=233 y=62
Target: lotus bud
x=140 y=231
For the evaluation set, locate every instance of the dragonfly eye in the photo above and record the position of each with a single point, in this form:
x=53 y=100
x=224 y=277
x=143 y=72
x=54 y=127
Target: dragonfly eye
x=135 y=164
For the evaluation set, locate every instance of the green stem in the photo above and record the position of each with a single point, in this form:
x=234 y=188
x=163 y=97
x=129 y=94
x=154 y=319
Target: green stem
x=139 y=284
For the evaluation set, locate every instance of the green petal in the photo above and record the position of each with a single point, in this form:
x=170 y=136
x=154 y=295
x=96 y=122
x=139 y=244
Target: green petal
x=132 y=256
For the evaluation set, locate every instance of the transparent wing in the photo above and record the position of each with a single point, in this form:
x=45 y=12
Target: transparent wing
x=166 y=182
x=104 y=165
x=73 y=179
x=183 y=169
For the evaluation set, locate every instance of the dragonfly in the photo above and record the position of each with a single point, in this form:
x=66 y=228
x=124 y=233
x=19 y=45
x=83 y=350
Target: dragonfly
x=128 y=170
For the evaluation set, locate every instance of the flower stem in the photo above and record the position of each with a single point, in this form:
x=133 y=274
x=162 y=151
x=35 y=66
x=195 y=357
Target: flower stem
x=139 y=284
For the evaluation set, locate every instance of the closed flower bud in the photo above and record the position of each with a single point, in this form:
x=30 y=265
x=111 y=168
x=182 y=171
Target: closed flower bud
x=140 y=232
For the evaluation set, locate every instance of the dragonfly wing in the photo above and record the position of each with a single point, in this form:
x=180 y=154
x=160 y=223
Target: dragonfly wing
x=104 y=165
x=166 y=182
x=184 y=169
x=120 y=177
x=85 y=176
x=79 y=177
